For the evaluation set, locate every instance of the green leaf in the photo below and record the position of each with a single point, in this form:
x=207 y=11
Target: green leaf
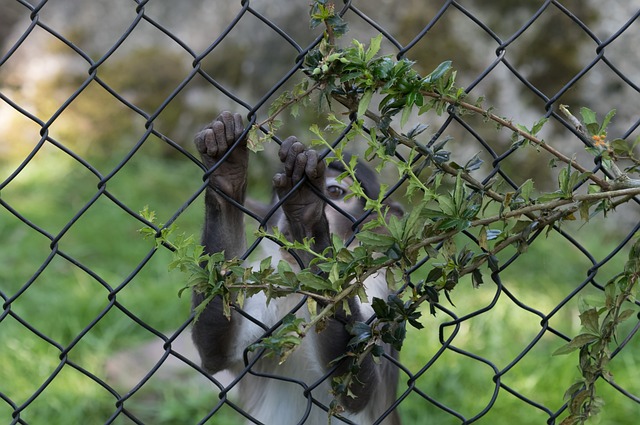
x=396 y=228
x=578 y=400
x=437 y=73
x=476 y=278
x=361 y=333
x=344 y=255
x=446 y=205
x=365 y=100
x=406 y=114
x=414 y=220
x=374 y=47
x=417 y=130
x=625 y=315
x=459 y=193
x=576 y=343
x=584 y=210
x=525 y=190
x=390 y=278
x=394 y=252
x=550 y=197
x=381 y=309
x=563 y=180
x=590 y=320
x=286 y=273
x=265 y=264
x=593 y=128
x=200 y=307
x=572 y=390
x=482 y=238
x=313 y=281
x=376 y=240
x=538 y=126
x=493 y=263
x=473 y=164
x=435 y=274
x=620 y=147
x=588 y=116
x=605 y=122
x=453 y=223
x=583 y=339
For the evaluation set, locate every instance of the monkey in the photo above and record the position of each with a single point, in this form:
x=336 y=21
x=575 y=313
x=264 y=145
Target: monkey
x=272 y=393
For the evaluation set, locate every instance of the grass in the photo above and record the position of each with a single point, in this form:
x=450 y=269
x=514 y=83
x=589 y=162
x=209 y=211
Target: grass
x=63 y=300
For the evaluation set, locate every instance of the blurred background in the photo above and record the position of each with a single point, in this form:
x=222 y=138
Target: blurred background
x=99 y=102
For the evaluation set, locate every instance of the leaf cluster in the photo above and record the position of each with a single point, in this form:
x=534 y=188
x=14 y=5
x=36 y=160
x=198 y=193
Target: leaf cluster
x=599 y=331
x=323 y=12
x=608 y=152
x=446 y=201
x=357 y=72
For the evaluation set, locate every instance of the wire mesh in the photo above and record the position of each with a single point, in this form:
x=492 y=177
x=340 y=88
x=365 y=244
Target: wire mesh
x=514 y=56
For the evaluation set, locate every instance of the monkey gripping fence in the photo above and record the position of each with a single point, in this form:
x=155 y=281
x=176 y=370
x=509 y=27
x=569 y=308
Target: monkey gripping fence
x=498 y=384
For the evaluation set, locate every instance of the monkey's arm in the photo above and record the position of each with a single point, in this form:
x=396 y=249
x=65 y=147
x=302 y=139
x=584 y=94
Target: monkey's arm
x=304 y=217
x=213 y=334
x=222 y=218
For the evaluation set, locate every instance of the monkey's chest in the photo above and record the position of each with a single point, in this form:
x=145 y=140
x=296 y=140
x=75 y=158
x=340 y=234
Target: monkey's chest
x=285 y=393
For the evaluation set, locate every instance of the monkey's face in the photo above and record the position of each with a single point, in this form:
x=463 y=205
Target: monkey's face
x=340 y=217
x=342 y=213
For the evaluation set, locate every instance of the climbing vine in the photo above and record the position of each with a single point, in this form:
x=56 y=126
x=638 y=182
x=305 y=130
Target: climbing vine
x=379 y=94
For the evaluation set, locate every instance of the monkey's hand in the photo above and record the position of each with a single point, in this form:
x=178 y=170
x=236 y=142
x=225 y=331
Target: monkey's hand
x=304 y=215
x=302 y=206
x=213 y=142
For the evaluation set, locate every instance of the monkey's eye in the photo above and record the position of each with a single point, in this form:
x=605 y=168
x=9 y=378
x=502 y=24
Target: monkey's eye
x=335 y=192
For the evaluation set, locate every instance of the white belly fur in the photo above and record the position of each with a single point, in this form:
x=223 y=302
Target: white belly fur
x=279 y=402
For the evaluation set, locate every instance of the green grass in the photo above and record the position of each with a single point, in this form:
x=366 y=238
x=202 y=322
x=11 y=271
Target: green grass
x=541 y=279
x=63 y=300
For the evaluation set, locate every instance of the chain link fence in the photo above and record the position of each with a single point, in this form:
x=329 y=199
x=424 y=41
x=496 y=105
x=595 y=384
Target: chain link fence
x=91 y=328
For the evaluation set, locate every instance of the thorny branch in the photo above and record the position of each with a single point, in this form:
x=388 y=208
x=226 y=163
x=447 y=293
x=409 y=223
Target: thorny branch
x=328 y=62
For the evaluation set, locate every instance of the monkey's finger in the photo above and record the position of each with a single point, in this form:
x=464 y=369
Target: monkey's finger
x=299 y=167
x=315 y=166
x=228 y=120
x=238 y=126
x=281 y=182
x=217 y=145
x=199 y=140
x=285 y=147
x=292 y=158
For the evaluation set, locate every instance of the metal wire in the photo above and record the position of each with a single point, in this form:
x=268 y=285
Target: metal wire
x=454 y=321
